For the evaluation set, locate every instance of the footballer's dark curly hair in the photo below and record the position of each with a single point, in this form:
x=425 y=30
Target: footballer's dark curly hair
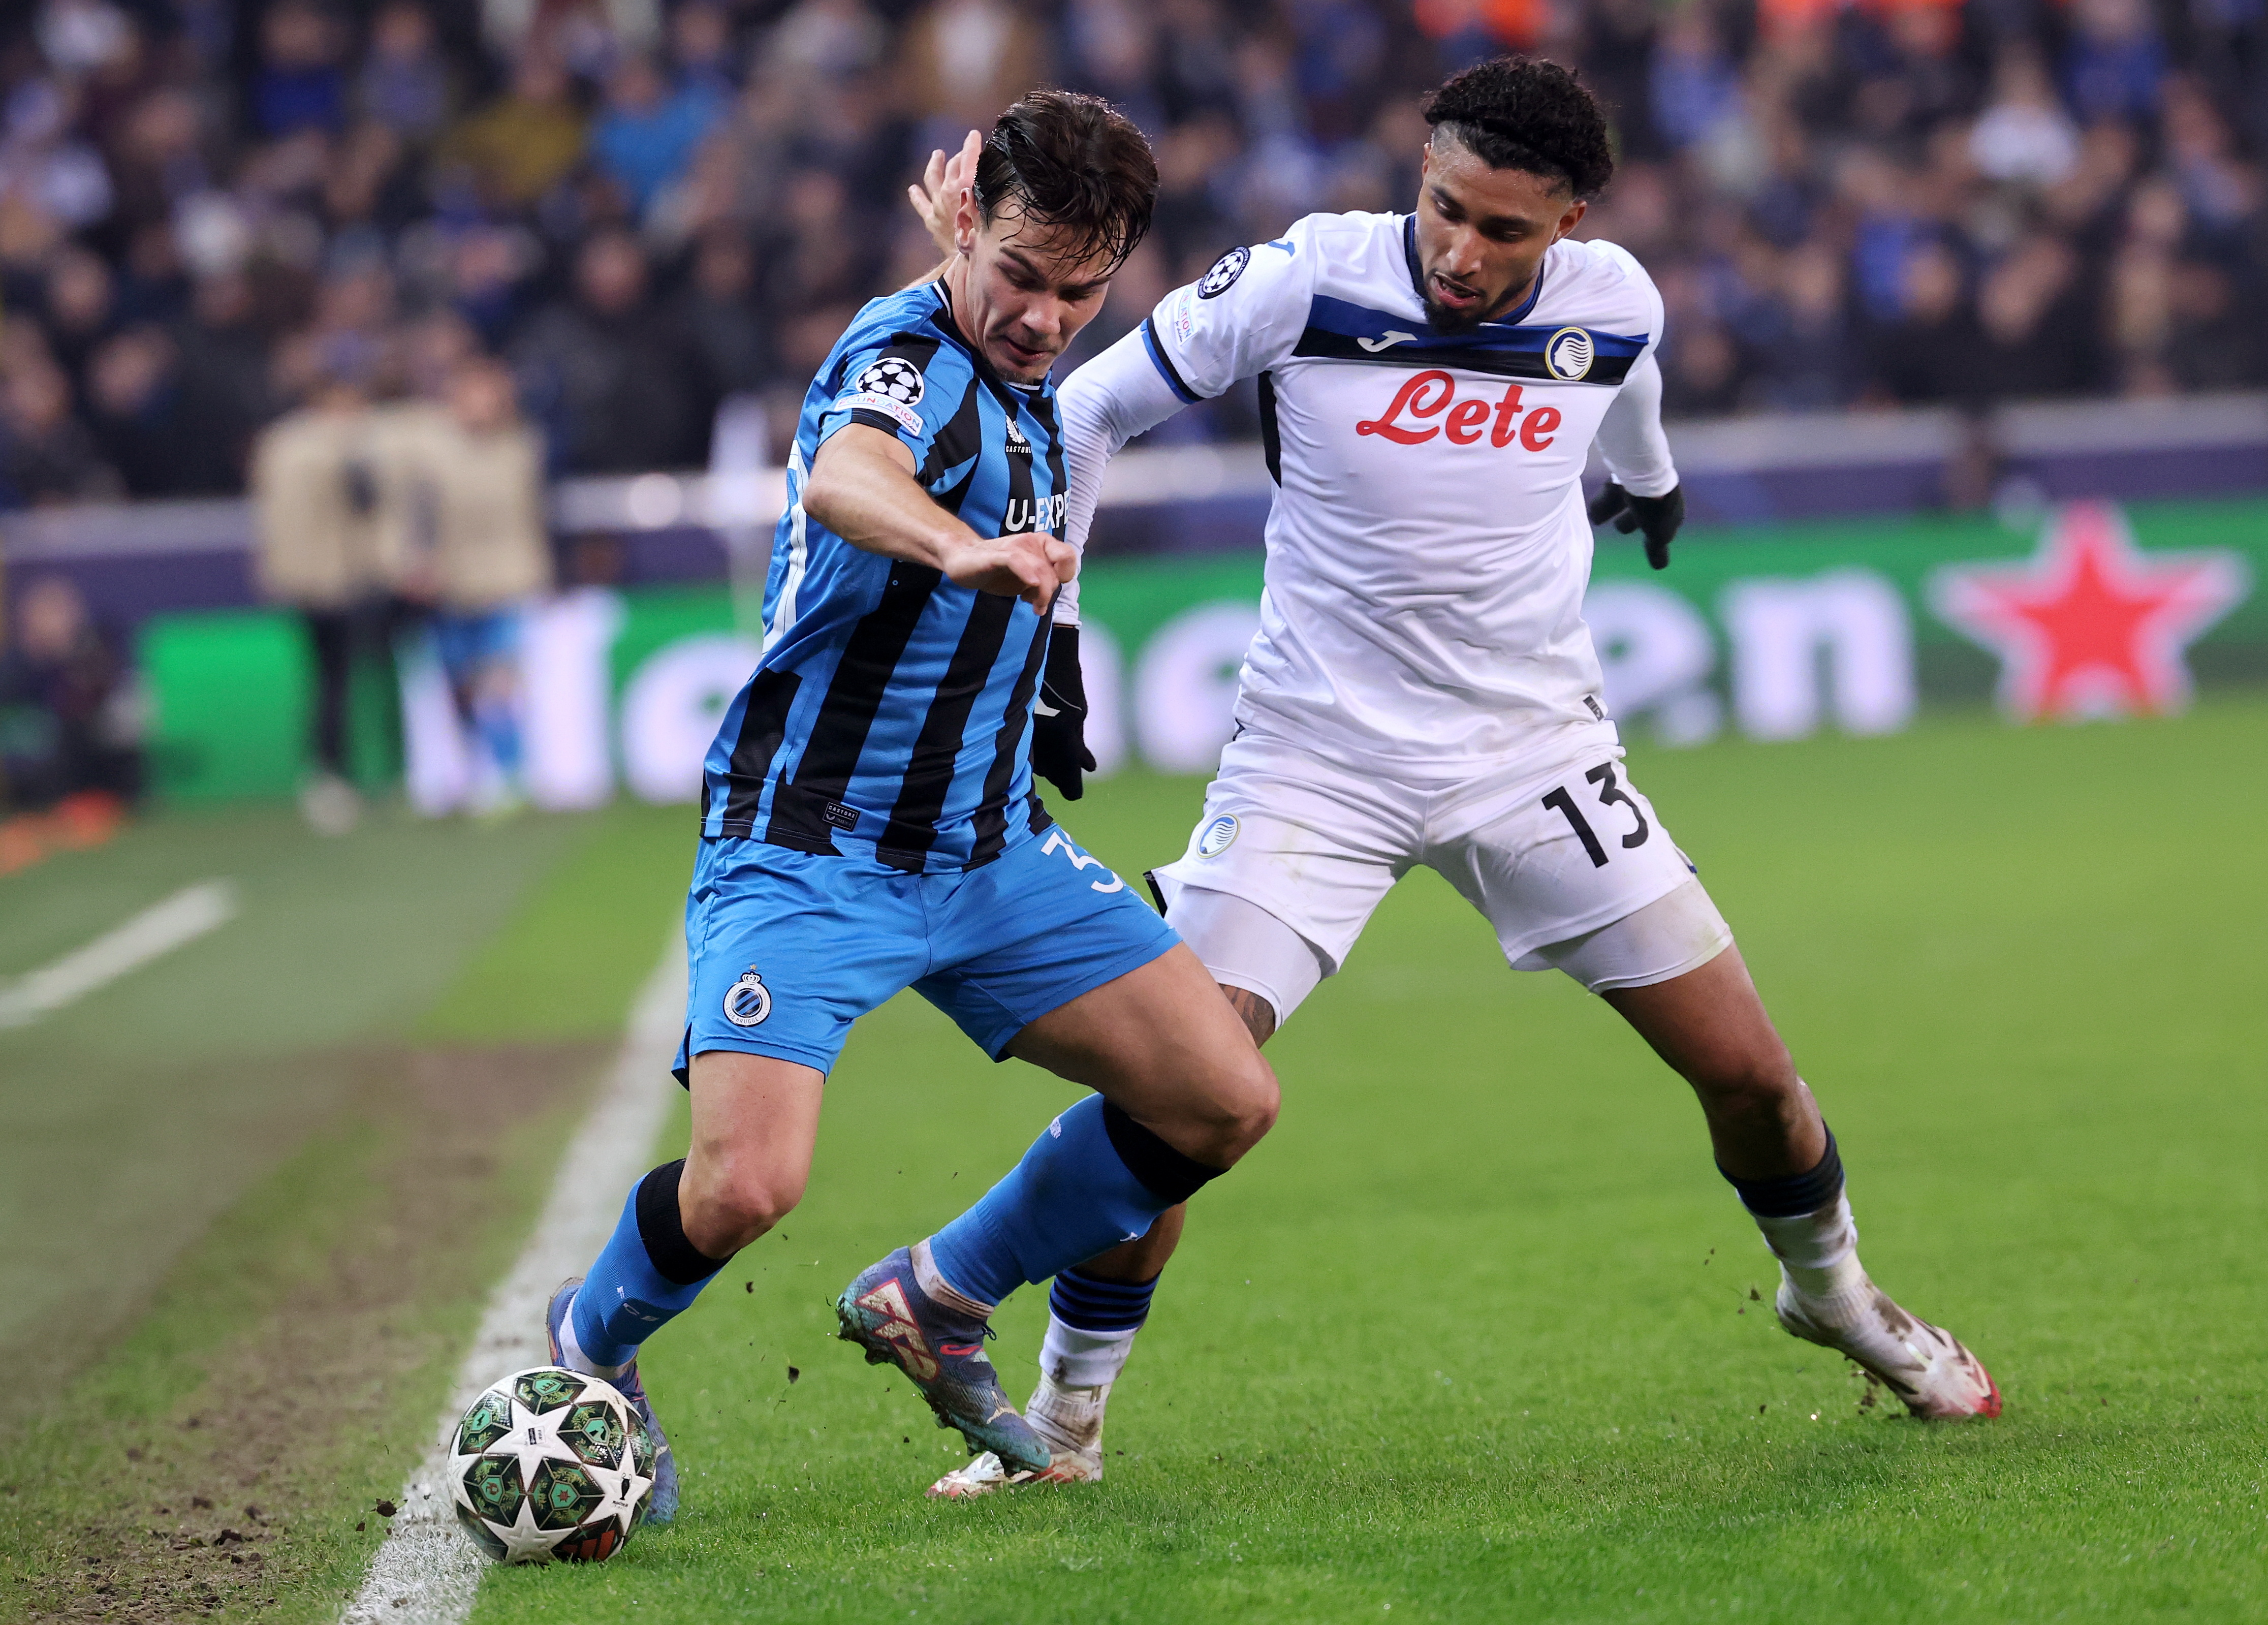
x=1517 y=114
x=1074 y=162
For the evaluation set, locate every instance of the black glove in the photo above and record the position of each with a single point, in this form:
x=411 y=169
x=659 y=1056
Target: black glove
x=1059 y=752
x=1657 y=516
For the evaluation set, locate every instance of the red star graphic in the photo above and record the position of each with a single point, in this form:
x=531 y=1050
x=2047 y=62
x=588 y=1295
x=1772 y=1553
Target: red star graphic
x=2090 y=626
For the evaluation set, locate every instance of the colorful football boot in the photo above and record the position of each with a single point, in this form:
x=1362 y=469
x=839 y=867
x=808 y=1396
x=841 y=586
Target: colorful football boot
x=662 y=1508
x=904 y=1313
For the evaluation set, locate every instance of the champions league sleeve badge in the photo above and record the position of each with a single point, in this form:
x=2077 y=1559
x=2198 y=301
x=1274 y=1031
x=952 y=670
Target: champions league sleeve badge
x=894 y=377
x=1224 y=273
x=892 y=386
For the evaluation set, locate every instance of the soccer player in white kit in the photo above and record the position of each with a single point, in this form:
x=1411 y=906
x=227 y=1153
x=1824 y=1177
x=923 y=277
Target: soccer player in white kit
x=1422 y=689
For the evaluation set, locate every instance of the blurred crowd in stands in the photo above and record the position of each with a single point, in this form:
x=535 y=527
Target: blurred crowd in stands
x=216 y=212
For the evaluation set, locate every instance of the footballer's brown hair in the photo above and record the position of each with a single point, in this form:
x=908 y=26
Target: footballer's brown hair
x=1073 y=162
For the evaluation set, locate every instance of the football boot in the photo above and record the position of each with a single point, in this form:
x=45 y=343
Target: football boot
x=1923 y=1365
x=985 y=1474
x=903 y=1313
x=662 y=1508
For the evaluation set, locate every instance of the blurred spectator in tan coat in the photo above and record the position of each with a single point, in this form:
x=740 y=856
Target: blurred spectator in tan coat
x=321 y=551
x=464 y=511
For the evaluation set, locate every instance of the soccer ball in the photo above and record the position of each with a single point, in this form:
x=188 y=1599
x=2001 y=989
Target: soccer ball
x=548 y=1463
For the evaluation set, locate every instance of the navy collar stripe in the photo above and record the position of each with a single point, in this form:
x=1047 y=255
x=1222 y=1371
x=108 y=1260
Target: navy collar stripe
x=1347 y=320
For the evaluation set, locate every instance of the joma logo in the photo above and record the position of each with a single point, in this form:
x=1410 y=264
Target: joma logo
x=1433 y=392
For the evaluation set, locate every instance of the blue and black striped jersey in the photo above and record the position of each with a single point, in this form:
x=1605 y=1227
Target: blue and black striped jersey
x=889 y=716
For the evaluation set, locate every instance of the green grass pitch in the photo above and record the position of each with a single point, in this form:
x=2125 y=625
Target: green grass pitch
x=1470 y=1336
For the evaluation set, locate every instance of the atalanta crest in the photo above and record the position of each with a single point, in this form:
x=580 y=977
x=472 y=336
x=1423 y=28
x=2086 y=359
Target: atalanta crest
x=1568 y=354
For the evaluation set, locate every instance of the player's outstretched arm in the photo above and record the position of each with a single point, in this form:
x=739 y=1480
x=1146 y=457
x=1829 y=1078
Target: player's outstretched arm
x=862 y=487
x=1642 y=492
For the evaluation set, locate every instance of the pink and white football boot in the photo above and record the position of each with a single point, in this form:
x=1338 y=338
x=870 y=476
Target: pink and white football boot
x=1069 y=1419
x=1923 y=1365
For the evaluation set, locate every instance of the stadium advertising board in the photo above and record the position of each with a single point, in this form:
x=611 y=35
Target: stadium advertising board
x=2085 y=611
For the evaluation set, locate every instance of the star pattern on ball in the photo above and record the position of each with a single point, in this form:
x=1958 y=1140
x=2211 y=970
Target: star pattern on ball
x=2090 y=625
x=544 y=1461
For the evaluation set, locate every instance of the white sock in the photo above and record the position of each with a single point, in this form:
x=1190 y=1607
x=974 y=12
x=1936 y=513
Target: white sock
x=1072 y=1358
x=1076 y=1370
x=1819 y=1250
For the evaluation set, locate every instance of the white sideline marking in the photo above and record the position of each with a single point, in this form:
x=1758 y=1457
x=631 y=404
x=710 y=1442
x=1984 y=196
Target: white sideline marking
x=159 y=930
x=426 y=1572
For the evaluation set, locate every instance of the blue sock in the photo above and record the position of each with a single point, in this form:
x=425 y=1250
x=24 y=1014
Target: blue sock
x=647 y=1274
x=1096 y=1179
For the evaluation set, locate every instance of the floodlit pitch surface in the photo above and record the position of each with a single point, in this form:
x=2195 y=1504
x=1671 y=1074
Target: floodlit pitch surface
x=1470 y=1335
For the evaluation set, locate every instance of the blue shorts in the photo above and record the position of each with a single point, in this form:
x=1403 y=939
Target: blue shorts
x=787 y=948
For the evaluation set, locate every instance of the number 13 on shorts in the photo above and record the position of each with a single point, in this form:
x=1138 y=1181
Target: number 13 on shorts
x=1609 y=796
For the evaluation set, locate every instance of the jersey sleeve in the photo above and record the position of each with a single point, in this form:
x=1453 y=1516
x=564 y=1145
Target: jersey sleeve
x=906 y=383
x=1108 y=401
x=1238 y=320
x=1631 y=441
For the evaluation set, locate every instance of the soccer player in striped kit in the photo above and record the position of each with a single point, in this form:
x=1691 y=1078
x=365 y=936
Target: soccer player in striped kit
x=869 y=821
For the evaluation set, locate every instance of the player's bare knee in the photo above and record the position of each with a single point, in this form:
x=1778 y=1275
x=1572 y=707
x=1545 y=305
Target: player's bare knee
x=735 y=1206
x=1246 y=1105
x=1757 y=1083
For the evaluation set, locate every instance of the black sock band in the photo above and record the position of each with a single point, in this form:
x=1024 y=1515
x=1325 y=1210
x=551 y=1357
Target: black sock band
x=1169 y=1176
x=1796 y=1193
x=662 y=1228
x=1089 y=1303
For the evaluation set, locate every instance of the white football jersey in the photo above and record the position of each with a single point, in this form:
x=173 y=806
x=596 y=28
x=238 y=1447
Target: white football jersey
x=1427 y=551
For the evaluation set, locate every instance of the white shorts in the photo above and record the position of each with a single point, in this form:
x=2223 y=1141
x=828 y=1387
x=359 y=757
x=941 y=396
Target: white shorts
x=1569 y=865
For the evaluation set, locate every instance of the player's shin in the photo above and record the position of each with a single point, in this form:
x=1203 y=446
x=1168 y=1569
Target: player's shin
x=647 y=1274
x=1091 y=1327
x=1094 y=1179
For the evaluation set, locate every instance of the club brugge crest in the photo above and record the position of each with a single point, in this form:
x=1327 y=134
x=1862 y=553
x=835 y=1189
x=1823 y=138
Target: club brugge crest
x=748 y=1001
x=1217 y=835
x=894 y=377
x=1568 y=354
x=1224 y=273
